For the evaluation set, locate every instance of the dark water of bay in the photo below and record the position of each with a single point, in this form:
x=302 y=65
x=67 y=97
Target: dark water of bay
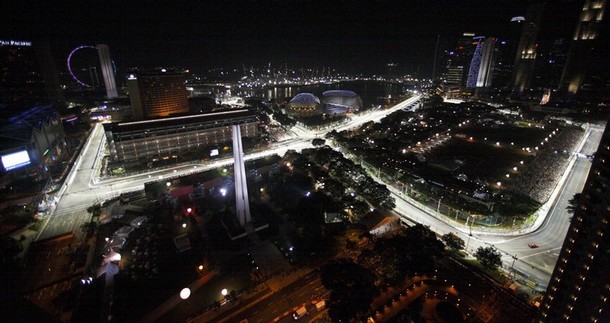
x=372 y=92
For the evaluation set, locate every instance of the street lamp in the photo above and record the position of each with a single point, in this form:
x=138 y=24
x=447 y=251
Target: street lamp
x=224 y=292
x=511 y=266
x=469 y=234
x=438 y=207
x=185 y=293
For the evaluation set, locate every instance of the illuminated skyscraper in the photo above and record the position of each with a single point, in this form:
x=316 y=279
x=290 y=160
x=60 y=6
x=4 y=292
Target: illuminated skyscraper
x=582 y=51
x=523 y=69
x=579 y=290
x=487 y=63
x=107 y=70
x=480 y=72
x=157 y=95
x=457 y=60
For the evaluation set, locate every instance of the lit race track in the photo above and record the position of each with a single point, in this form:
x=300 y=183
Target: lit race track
x=83 y=188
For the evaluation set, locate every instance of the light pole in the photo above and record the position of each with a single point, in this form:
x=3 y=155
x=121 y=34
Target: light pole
x=438 y=207
x=469 y=234
x=511 y=266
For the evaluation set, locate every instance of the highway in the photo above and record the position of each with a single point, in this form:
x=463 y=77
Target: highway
x=83 y=188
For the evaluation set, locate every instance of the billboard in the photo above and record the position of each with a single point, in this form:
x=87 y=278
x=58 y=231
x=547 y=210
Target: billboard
x=15 y=160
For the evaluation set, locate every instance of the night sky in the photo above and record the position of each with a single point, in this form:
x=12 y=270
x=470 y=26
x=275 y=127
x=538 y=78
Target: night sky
x=352 y=36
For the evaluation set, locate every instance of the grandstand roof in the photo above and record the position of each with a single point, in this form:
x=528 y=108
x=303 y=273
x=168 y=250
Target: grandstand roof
x=19 y=126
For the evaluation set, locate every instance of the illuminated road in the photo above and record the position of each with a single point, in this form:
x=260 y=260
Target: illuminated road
x=83 y=189
x=537 y=264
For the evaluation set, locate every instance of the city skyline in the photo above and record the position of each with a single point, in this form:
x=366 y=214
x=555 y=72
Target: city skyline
x=380 y=160
x=354 y=37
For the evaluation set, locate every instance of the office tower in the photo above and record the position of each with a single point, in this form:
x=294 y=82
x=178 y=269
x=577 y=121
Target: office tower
x=579 y=290
x=526 y=51
x=28 y=76
x=157 y=95
x=504 y=55
x=475 y=63
x=457 y=60
x=242 y=202
x=107 y=70
x=583 y=60
x=480 y=71
x=486 y=67
x=551 y=63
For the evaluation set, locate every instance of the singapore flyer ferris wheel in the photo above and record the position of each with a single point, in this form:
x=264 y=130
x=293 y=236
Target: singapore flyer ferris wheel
x=107 y=66
x=69 y=64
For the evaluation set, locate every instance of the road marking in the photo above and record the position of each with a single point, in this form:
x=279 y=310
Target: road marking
x=540 y=253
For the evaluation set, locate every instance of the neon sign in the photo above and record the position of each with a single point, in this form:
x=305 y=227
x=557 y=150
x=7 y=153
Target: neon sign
x=15 y=43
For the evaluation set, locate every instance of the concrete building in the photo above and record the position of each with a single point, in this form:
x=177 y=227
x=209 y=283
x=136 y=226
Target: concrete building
x=163 y=138
x=28 y=76
x=584 y=58
x=457 y=60
x=486 y=68
x=525 y=59
x=579 y=290
x=107 y=71
x=157 y=95
x=480 y=72
x=31 y=141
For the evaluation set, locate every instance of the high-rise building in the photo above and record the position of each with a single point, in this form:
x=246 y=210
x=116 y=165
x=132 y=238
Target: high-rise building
x=550 y=64
x=480 y=72
x=503 y=66
x=486 y=67
x=28 y=76
x=457 y=60
x=157 y=95
x=107 y=70
x=523 y=68
x=584 y=58
x=579 y=290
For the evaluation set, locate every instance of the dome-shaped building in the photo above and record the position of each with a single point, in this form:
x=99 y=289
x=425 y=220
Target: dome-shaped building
x=340 y=101
x=304 y=105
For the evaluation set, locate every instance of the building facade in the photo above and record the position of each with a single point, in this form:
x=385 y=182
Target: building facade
x=525 y=59
x=162 y=138
x=39 y=132
x=488 y=59
x=457 y=60
x=107 y=70
x=28 y=76
x=304 y=105
x=337 y=102
x=157 y=95
x=583 y=52
x=579 y=290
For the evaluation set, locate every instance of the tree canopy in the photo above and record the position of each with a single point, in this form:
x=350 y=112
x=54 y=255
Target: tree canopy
x=414 y=250
x=489 y=257
x=453 y=241
x=351 y=289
